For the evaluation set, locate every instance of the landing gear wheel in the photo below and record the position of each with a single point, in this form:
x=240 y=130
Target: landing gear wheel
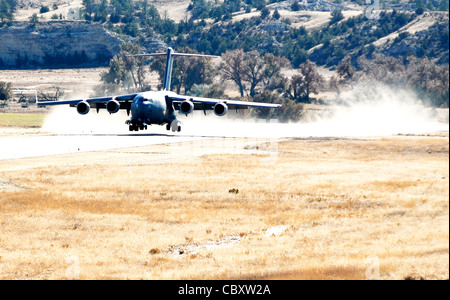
x=176 y=126
x=134 y=128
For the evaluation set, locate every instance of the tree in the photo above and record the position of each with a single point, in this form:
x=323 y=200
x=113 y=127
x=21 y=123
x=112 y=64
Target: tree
x=187 y=71
x=295 y=6
x=306 y=82
x=336 y=16
x=215 y=91
x=44 y=9
x=265 y=12
x=276 y=14
x=419 y=7
x=273 y=79
x=334 y=84
x=290 y=111
x=296 y=87
x=131 y=63
x=5 y=90
x=200 y=71
x=233 y=67
x=443 y=5
x=251 y=68
x=190 y=71
x=429 y=80
x=380 y=68
x=200 y=9
x=117 y=73
x=346 y=71
x=34 y=19
x=89 y=9
x=254 y=70
x=5 y=11
x=12 y=5
x=101 y=13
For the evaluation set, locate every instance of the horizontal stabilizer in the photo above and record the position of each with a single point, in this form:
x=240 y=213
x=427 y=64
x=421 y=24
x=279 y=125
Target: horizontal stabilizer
x=174 y=54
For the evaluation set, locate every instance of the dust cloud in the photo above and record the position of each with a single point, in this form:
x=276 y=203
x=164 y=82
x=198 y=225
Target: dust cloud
x=362 y=112
x=66 y=120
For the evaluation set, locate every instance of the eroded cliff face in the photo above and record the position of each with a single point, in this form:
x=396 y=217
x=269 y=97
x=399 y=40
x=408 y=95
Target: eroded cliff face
x=56 y=43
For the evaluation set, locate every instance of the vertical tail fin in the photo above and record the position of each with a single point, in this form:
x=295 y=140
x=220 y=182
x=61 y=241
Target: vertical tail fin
x=169 y=68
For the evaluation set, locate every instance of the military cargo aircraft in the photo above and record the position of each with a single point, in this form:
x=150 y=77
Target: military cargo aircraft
x=158 y=108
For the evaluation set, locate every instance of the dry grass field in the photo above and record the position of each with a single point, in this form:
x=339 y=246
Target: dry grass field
x=321 y=209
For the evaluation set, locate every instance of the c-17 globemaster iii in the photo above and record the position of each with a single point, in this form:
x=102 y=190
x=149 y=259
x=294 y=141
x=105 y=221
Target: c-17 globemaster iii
x=158 y=108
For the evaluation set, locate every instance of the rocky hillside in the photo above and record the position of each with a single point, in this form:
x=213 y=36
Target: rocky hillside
x=311 y=31
x=426 y=36
x=56 y=43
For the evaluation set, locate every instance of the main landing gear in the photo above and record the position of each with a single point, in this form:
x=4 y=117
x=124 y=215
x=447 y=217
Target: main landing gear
x=136 y=127
x=175 y=126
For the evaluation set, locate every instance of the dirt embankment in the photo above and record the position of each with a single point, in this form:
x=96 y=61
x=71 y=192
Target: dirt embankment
x=24 y=45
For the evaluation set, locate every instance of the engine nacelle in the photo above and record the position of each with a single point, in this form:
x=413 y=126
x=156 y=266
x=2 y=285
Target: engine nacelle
x=186 y=107
x=220 y=109
x=113 y=106
x=83 y=108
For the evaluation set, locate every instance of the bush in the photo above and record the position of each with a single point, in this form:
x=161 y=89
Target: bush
x=44 y=9
x=295 y=6
x=419 y=11
x=289 y=112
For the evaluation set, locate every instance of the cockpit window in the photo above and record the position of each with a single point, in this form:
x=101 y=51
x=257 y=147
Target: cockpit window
x=143 y=99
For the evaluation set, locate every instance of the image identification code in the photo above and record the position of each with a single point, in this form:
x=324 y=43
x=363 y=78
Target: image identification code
x=231 y=289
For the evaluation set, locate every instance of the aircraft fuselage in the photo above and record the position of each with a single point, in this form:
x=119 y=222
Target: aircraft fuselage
x=150 y=108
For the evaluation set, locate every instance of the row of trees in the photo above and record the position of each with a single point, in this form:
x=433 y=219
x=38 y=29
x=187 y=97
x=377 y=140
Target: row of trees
x=56 y=60
x=203 y=9
x=438 y=5
x=428 y=80
x=254 y=74
x=260 y=78
x=256 y=77
x=249 y=71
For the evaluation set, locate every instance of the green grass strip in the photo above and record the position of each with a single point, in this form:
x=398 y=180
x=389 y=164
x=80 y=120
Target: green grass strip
x=21 y=120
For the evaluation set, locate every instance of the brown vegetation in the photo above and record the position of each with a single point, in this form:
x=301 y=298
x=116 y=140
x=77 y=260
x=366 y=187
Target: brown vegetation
x=321 y=210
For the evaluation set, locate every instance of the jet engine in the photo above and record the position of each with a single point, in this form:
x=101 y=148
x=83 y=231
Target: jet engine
x=186 y=107
x=220 y=109
x=83 y=108
x=112 y=106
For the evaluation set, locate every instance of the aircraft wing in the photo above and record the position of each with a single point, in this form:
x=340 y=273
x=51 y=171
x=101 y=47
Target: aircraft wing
x=209 y=103
x=97 y=103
